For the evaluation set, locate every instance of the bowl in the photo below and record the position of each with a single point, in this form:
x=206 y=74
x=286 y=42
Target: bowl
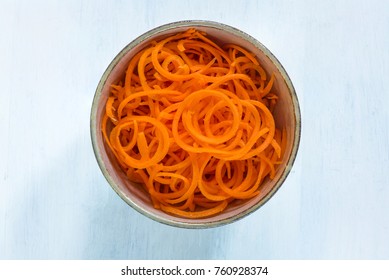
x=286 y=114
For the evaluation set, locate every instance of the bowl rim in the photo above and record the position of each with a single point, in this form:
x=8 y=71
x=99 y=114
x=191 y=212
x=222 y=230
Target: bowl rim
x=225 y=28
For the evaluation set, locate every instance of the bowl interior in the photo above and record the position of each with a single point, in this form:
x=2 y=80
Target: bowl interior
x=286 y=115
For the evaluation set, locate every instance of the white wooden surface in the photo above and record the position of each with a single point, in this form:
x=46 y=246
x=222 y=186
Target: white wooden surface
x=54 y=201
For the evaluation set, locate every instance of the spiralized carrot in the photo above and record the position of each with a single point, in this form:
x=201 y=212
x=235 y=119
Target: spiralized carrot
x=192 y=122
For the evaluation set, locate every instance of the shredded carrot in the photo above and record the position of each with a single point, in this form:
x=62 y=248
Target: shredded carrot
x=192 y=121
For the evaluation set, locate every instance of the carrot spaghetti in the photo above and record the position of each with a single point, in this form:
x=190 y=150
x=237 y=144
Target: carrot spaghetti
x=192 y=121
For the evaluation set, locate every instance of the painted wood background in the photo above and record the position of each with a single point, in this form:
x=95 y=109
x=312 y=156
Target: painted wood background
x=54 y=201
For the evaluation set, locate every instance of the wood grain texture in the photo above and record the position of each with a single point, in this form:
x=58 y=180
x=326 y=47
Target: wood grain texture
x=54 y=202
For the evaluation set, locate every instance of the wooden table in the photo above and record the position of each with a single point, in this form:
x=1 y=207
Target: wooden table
x=54 y=201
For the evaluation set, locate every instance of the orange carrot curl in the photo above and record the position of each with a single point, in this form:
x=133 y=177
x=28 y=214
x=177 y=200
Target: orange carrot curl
x=192 y=122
